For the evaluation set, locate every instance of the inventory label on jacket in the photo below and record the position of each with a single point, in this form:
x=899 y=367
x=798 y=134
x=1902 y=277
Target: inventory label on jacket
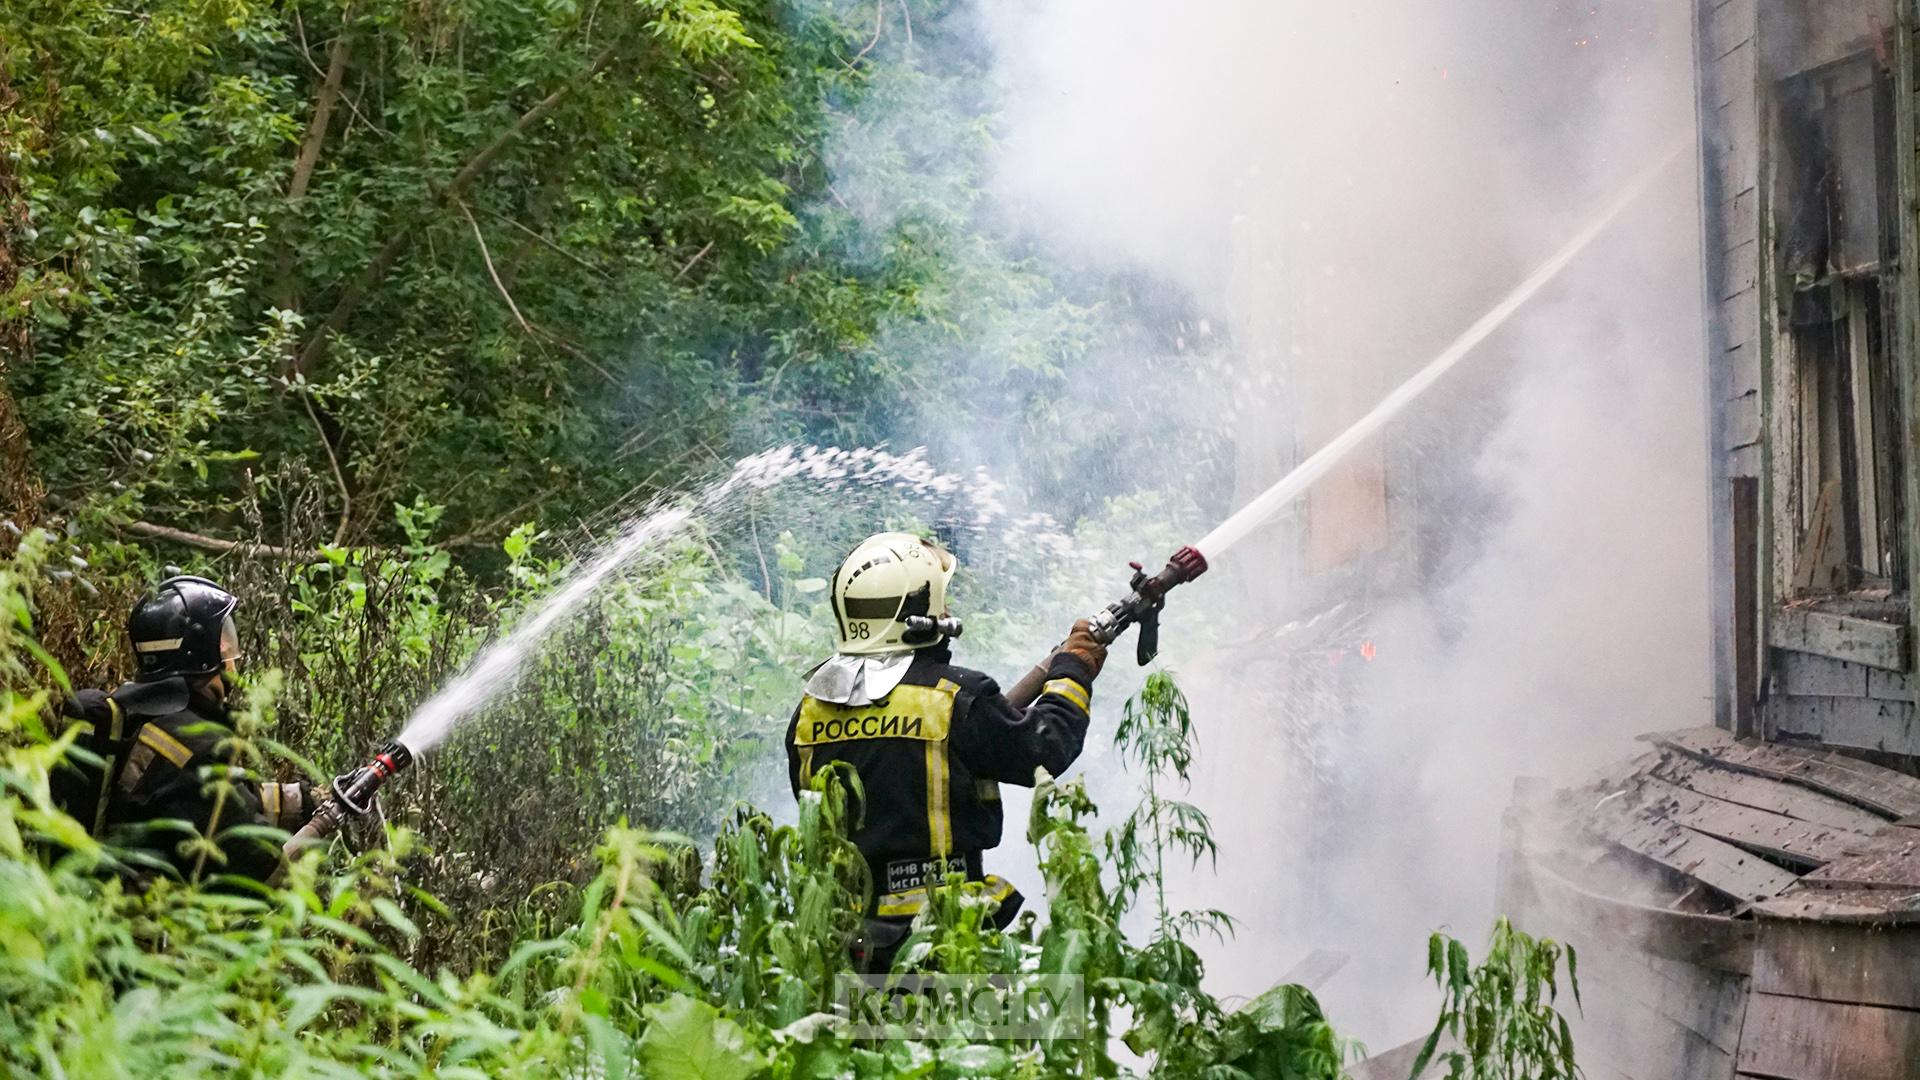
x=905 y=875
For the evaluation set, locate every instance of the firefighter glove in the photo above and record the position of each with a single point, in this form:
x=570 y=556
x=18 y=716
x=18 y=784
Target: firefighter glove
x=1082 y=644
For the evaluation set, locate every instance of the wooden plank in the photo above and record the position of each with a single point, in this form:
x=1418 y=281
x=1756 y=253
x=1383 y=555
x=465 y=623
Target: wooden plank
x=1314 y=971
x=1821 y=565
x=1804 y=674
x=1801 y=1039
x=1797 y=843
x=1743 y=372
x=1567 y=909
x=1732 y=85
x=1720 y=866
x=1744 y=509
x=1625 y=1028
x=1735 y=168
x=1889 y=685
x=1899 y=870
x=1881 y=791
x=1867 y=770
x=1728 y=26
x=1739 y=274
x=1906 y=323
x=1866 y=965
x=1741 y=322
x=1863 y=907
x=1841 y=637
x=1708 y=1004
x=1886 y=727
x=1761 y=793
x=1740 y=224
x=1396 y=1063
x=1744 y=462
x=1743 y=420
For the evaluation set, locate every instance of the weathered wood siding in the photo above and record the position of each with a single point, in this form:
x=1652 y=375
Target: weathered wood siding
x=1824 y=678
x=1728 y=51
x=1841 y=682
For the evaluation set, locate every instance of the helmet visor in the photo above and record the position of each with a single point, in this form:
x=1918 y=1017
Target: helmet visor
x=229 y=641
x=940 y=554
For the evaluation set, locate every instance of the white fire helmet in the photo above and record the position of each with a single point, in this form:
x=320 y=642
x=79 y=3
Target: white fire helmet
x=888 y=578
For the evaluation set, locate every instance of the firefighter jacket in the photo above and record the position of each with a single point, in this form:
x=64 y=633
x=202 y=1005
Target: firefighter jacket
x=160 y=760
x=931 y=757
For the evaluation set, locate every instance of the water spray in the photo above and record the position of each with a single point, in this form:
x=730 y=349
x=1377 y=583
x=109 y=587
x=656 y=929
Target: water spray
x=1320 y=462
x=1148 y=594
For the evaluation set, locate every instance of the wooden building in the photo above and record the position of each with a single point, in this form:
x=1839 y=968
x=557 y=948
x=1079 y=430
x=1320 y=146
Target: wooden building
x=1808 y=163
x=1745 y=896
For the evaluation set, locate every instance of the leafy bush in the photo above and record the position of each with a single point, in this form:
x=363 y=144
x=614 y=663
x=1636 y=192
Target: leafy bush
x=665 y=967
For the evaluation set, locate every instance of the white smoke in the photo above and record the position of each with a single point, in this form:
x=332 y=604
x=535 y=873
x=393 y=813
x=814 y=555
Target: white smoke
x=1345 y=187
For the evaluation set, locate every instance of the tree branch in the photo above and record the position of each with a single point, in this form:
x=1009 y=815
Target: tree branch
x=697 y=256
x=323 y=104
x=213 y=543
x=550 y=245
x=487 y=257
x=339 y=478
x=401 y=238
x=879 y=24
x=527 y=327
x=309 y=156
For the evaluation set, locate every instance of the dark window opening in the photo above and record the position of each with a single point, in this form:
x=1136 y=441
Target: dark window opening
x=1833 y=212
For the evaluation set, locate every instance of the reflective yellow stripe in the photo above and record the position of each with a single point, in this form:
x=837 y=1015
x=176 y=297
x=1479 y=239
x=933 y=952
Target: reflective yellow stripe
x=910 y=712
x=106 y=794
x=166 y=746
x=1070 y=690
x=806 y=766
x=909 y=903
x=901 y=903
x=270 y=803
x=110 y=768
x=939 y=803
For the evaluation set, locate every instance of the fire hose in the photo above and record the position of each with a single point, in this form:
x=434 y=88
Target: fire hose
x=1141 y=606
x=352 y=793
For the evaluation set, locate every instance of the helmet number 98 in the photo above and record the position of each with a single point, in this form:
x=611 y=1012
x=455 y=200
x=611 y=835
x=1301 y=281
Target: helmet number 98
x=859 y=631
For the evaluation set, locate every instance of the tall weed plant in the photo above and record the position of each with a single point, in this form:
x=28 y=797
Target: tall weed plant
x=667 y=961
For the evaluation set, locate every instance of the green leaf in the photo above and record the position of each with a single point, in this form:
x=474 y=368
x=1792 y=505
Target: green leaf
x=394 y=917
x=690 y=1040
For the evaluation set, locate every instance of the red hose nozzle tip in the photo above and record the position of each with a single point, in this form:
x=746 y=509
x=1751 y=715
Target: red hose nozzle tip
x=1188 y=563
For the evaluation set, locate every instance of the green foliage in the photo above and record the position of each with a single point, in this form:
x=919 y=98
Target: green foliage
x=661 y=966
x=288 y=263
x=1500 y=1014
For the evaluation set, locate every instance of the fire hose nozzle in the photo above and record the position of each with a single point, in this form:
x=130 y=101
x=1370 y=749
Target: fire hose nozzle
x=353 y=794
x=1142 y=605
x=355 y=790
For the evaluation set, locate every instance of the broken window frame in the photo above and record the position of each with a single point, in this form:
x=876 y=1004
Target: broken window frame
x=1836 y=307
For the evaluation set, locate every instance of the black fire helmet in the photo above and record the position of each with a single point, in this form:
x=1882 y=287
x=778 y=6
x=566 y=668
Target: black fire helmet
x=184 y=627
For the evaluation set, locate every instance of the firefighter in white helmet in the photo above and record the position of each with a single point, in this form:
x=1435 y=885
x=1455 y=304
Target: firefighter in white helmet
x=931 y=741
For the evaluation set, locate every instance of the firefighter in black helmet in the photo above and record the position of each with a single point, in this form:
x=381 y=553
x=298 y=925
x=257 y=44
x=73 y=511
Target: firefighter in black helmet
x=163 y=768
x=931 y=741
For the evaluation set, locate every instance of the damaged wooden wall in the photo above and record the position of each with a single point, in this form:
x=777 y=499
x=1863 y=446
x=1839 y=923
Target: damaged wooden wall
x=1811 y=447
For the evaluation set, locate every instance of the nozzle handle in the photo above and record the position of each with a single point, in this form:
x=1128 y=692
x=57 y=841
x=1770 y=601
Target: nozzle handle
x=1147 y=646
